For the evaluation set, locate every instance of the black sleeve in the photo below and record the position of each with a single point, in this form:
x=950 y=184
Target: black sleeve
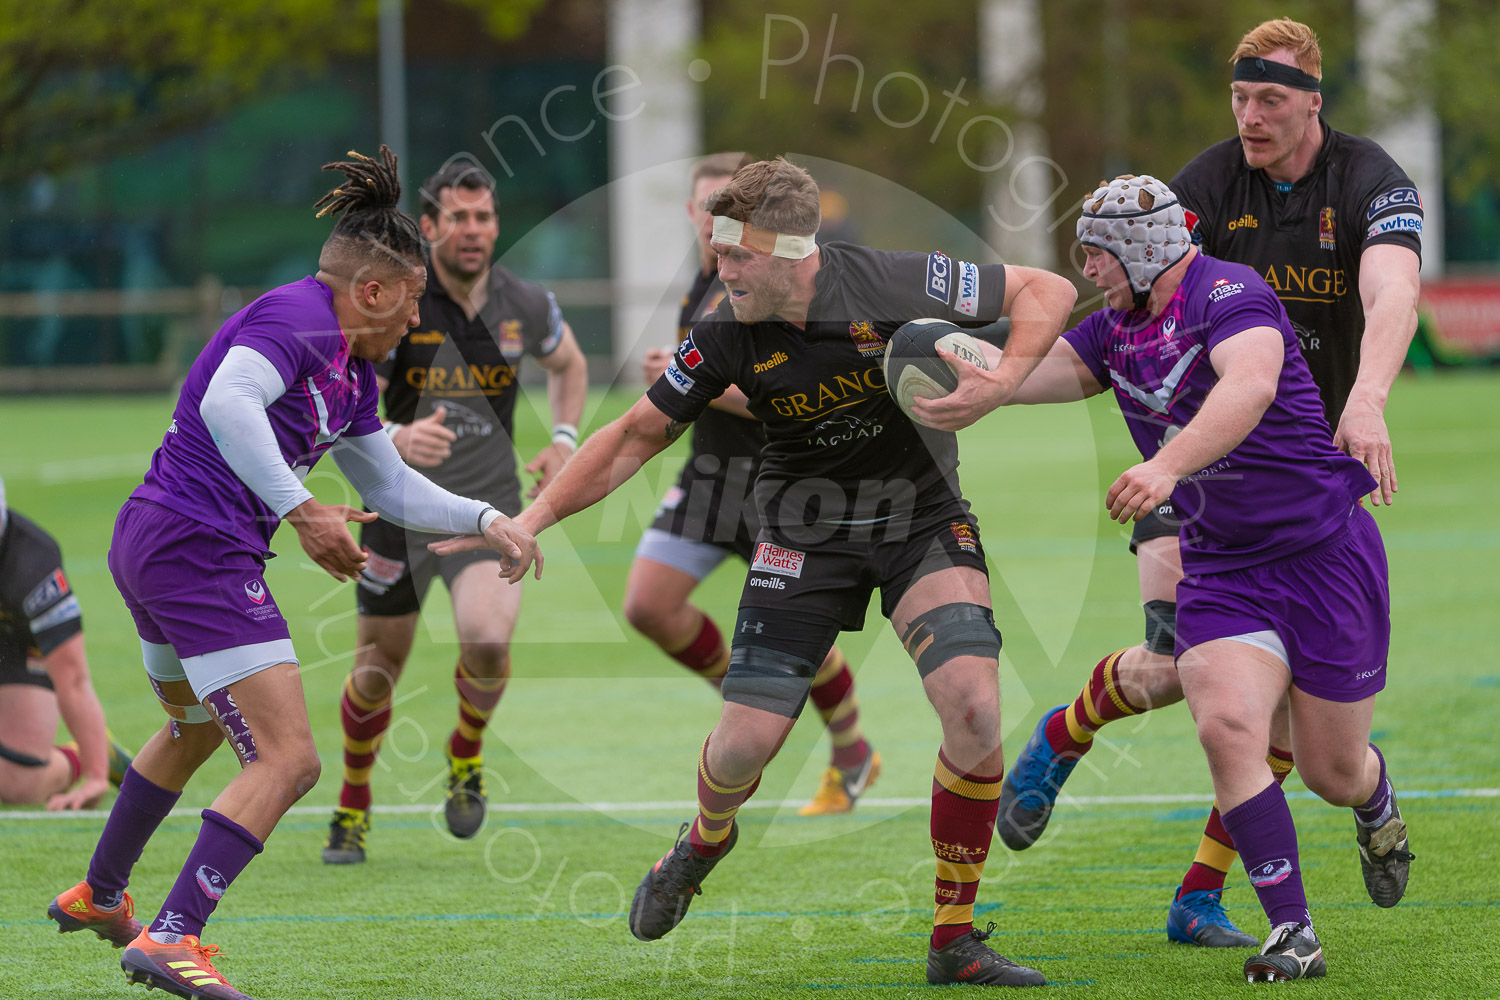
x=918 y=285
x=701 y=369
x=1390 y=208
x=543 y=331
x=34 y=583
x=1197 y=185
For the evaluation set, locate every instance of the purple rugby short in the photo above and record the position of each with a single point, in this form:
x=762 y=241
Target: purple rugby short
x=1329 y=603
x=190 y=586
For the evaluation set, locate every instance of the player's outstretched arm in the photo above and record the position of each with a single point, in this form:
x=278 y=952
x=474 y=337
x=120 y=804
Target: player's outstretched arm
x=1389 y=283
x=1248 y=365
x=67 y=668
x=733 y=399
x=607 y=459
x=1038 y=303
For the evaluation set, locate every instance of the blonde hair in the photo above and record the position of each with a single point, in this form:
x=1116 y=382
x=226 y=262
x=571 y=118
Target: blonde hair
x=1283 y=33
x=772 y=194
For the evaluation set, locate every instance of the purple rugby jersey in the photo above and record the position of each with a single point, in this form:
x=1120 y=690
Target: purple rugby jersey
x=329 y=394
x=1282 y=489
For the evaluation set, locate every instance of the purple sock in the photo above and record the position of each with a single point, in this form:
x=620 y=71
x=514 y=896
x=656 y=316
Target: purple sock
x=138 y=811
x=1377 y=810
x=223 y=850
x=1262 y=830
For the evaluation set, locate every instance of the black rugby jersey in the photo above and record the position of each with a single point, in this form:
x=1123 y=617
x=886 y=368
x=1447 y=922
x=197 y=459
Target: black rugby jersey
x=838 y=448
x=722 y=435
x=470 y=367
x=38 y=610
x=1307 y=243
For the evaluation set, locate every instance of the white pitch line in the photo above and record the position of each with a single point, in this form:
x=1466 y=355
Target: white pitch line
x=672 y=806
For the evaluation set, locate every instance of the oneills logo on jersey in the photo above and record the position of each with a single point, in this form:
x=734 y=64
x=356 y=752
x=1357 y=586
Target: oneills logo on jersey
x=866 y=339
x=1325 y=228
x=510 y=336
x=1244 y=222
x=426 y=337
x=833 y=394
x=771 y=362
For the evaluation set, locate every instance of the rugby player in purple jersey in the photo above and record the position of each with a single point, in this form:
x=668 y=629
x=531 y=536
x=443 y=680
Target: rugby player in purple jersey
x=286 y=379
x=1285 y=592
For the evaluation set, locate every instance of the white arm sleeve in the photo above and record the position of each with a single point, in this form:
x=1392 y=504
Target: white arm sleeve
x=401 y=494
x=234 y=411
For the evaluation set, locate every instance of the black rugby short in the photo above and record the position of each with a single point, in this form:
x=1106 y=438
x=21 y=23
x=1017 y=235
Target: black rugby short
x=791 y=586
x=400 y=568
x=714 y=507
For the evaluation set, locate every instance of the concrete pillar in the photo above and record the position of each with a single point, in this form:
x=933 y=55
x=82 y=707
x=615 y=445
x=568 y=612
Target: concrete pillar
x=1019 y=209
x=1404 y=123
x=651 y=124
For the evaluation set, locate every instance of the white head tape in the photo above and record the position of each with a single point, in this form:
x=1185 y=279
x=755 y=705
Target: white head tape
x=766 y=242
x=1140 y=221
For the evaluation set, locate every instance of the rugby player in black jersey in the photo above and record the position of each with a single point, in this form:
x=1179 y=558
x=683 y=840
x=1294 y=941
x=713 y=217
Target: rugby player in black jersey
x=709 y=515
x=1334 y=226
x=852 y=496
x=450 y=396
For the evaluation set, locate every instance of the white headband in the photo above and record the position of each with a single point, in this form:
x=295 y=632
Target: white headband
x=766 y=242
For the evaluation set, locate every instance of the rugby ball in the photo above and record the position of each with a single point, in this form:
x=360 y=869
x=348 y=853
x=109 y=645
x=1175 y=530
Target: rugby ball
x=912 y=365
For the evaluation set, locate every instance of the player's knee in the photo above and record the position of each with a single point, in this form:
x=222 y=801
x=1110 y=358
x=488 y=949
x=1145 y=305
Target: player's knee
x=973 y=721
x=647 y=613
x=1225 y=737
x=1335 y=781
x=949 y=631
x=487 y=659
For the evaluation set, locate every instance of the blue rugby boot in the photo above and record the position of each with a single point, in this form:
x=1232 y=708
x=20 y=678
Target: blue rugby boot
x=1198 y=917
x=1030 y=789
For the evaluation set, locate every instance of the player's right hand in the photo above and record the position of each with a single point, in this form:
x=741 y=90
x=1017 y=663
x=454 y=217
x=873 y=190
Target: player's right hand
x=426 y=442
x=518 y=548
x=324 y=538
x=654 y=363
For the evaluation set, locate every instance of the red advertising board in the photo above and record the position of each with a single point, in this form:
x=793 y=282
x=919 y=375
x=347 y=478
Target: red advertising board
x=1466 y=312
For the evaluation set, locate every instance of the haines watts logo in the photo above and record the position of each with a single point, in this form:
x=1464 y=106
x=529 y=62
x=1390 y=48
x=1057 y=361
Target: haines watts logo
x=775 y=559
x=1244 y=222
x=862 y=332
x=771 y=362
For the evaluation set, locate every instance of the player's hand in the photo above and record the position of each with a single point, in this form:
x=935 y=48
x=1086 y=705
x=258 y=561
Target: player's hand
x=517 y=547
x=425 y=442
x=654 y=363
x=979 y=391
x=547 y=464
x=324 y=538
x=87 y=795
x=1138 y=491
x=1362 y=434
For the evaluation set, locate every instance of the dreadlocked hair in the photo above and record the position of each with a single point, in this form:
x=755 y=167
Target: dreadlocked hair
x=370 y=228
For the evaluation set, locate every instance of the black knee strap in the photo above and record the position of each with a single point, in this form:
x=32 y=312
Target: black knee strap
x=949 y=631
x=1161 y=627
x=768 y=679
x=20 y=759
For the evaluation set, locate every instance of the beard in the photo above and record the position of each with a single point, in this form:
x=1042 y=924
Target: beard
x=762 y=301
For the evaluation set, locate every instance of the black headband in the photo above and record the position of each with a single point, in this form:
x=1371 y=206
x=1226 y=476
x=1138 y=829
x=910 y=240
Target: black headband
x=1253 y=69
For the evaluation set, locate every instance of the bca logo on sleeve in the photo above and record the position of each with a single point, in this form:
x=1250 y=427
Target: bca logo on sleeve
x=1406 y=197
x=939 y=270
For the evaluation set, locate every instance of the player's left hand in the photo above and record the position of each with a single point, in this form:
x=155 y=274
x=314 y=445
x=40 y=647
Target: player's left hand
x=548 y=462
x=979 y=391
x=654 y=363
x=518 y=548
x=1362 y=434
x=1138 y=491
x=87 y=795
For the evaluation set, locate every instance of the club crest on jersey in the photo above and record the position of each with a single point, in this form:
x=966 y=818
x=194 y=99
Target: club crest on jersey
x=963 y=534
x=691 y=356
x=775 y=559
x=1271 y=873
x=866 y=340
x=939 y=271
x=256 y=591
x=1325 y=228
x=510 y=336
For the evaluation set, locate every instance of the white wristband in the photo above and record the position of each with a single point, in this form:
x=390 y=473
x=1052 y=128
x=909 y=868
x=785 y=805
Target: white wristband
x=565 y=434
x=487 y=517
x=391 y=428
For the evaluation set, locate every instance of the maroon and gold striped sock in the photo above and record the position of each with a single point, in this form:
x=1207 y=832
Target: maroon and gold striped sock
x=75 y=765
x=1216 y=853
x=964 y=807
x=833 y=696
x=717 y=804
x=1101 y=700
x=365 y=723
x=477 y=698
x=706 y=655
